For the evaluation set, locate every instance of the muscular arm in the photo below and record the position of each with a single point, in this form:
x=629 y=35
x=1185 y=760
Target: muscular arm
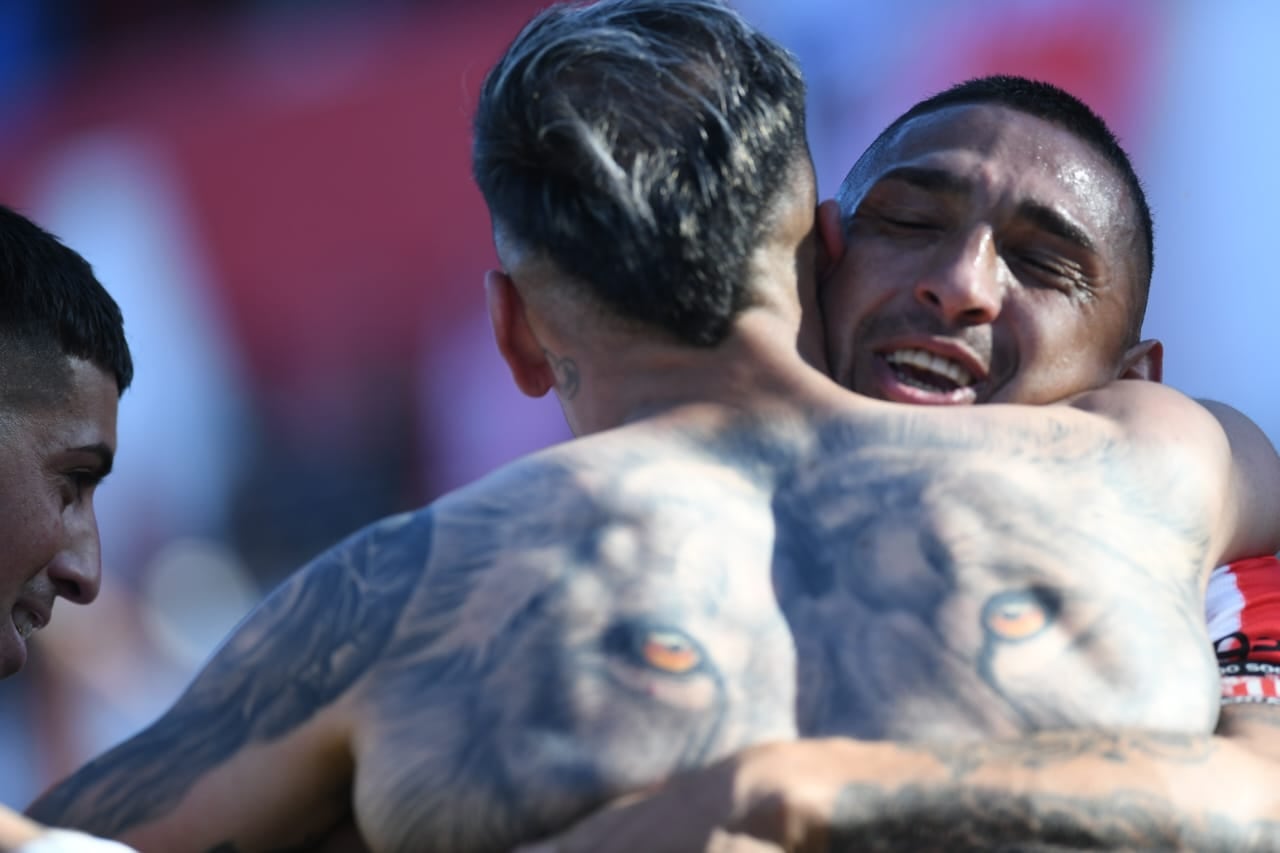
x=254 y=754
x=1062 y=790
x=1054 y=790
x=1254 y=487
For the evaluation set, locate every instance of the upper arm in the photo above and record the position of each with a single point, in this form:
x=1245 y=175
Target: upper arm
x=255 y=751
x=1253 y=490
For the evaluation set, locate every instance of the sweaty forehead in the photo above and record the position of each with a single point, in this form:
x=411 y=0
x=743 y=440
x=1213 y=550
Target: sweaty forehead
x=1004 y=153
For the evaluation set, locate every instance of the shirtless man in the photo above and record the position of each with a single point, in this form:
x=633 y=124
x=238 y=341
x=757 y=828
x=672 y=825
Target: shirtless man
x=683 y=582
x=980 y=259
x=64 y=363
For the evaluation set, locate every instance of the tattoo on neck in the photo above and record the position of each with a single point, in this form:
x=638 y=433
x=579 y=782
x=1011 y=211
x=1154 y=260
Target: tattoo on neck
x=566 y=374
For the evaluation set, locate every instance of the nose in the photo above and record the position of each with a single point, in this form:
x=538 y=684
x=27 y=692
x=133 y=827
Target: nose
x=964 y=286
x=76 y=571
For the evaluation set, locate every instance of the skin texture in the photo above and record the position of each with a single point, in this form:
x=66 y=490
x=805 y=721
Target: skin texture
x=54 y=455
x=611 y=612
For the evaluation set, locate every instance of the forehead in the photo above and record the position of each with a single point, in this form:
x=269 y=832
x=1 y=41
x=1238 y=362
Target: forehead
x=1008 y=155
x=85 y=416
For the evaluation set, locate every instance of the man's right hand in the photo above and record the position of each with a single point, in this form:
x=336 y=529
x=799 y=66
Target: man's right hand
x=767 y=799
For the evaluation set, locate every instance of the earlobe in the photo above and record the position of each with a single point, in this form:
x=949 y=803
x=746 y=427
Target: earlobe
x=1144 y=360
x=516 y=341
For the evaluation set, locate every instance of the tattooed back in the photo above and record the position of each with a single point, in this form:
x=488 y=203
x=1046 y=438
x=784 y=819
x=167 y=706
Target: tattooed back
x=650 y=599
x=653 y=599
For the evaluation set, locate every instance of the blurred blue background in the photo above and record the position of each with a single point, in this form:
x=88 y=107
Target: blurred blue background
x=278 y=195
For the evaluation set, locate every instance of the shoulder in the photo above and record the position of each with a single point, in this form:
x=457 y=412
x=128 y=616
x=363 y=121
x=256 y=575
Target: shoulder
x=1154 y=412
x=1207 y=433
x=1212 y=448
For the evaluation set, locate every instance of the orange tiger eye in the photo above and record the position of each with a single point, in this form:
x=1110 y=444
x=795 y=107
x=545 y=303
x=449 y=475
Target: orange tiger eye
x=670 y=652
x=1016 y=616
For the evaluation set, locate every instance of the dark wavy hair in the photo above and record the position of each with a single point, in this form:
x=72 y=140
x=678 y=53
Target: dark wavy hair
x=641 y=145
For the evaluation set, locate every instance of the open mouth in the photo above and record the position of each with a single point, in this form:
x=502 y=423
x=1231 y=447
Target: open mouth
x=927 y=371
x=915 y=375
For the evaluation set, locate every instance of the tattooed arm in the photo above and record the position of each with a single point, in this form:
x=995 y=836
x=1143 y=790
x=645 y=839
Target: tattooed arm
x=1054 y=790
x=255 y=753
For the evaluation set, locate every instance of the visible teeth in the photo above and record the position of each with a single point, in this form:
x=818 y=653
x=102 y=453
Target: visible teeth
x=922 y=360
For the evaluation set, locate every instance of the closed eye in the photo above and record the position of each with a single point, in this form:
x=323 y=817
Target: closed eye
x=1051 y=270
x=1041 y=262
x=910 y=224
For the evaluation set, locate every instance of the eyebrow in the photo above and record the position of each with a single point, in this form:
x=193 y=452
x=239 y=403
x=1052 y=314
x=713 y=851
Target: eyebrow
x=1053 y=221
x=933 y=180
x=1041 y=215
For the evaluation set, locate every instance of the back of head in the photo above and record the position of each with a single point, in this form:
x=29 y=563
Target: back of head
x=51 y=308
x=1056 y=106
x=641 y=146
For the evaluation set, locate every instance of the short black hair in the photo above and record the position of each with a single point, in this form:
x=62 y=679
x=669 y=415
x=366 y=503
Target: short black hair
x=641 y=145
x=52 y=307
x=1056 y=106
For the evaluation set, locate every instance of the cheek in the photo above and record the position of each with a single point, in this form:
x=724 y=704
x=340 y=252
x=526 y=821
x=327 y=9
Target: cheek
x=848 y=295
x=1059 y=356
x=32 y=538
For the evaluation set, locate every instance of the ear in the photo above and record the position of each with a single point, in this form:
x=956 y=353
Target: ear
x=1143 y=360
x=830 y=237
x=515 y=338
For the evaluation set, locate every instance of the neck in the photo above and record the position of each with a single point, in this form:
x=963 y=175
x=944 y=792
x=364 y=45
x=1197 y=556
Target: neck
x=619 y=382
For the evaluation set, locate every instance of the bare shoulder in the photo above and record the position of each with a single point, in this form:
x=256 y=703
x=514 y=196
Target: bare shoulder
x=1173 y=440
x=1215 y=449
x=1151 y=411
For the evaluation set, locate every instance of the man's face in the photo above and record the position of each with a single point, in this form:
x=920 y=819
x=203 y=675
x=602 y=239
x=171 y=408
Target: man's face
x=51 y=460
x=991 y=258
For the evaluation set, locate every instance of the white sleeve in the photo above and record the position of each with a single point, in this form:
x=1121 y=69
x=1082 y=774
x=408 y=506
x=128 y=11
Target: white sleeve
x=65 y=841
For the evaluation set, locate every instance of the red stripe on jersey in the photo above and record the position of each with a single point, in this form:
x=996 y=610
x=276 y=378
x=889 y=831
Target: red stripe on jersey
x=1258 y=637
